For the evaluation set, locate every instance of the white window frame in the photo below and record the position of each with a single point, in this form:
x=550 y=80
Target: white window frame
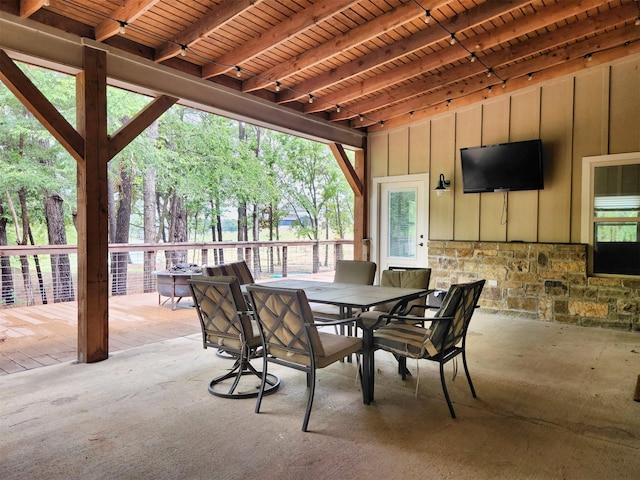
x=589 y=164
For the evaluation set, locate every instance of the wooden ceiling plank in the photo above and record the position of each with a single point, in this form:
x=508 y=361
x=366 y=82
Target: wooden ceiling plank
x=423 y=107
x=393 y=19
x=290 y=27
x=553 y=39
x=415 y=42
x=541 y=64
x=508 y=31
x=214 y=19
x=128 y=132
x=29 y=7
x=128 y=13
x=40 y=106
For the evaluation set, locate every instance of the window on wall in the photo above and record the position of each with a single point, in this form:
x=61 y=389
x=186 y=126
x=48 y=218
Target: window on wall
x=611 y=213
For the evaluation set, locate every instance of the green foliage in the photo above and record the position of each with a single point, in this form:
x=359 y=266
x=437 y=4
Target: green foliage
x=213 y=163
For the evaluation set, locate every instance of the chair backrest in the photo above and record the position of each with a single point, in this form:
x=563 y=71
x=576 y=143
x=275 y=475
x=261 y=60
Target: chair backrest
x=459 y=303
x=359 y=272
x=410 y=278
x=286 y=323
x=222 y=311
x=238 y=269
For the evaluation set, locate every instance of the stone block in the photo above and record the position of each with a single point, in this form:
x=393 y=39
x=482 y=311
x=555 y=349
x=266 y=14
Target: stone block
x=604 y=281
x=588 y=309
x=525 y=277
x=521 y=303
x=556 y=288
x=545 y=309
x=493 y=272
x=521 y=266
x=569 y=319
x=543 y=259
x=561 y=307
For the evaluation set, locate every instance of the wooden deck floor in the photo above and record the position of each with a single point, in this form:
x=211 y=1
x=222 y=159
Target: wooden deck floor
x=32 y=337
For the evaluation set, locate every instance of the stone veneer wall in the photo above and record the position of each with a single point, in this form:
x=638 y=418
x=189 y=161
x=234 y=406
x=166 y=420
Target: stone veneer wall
x=543 y=281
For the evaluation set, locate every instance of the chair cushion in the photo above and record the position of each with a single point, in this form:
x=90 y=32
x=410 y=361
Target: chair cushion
x=334 y=348
x=402 y=338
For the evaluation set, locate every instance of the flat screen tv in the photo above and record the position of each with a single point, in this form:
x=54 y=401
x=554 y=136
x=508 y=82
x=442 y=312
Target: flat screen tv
x=503 y=167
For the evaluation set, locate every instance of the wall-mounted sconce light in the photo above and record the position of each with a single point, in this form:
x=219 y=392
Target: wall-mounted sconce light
x=443 y=185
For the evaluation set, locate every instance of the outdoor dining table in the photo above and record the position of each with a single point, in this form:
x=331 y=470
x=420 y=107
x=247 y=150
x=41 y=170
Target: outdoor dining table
x=348 y=297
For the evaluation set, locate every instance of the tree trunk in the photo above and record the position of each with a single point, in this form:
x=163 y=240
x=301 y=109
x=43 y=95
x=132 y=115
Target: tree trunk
x=60 y=267
x=178 y=229
x=6 y=277
x=149 y=196
x=24 y=261
x=119 y=260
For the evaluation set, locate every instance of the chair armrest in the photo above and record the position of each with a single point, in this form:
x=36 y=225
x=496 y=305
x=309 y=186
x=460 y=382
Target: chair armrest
x=330 y=321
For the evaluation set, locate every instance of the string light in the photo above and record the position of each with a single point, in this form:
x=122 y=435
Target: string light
x=277 y=86
x=338 y=108
x=638 y=21
x=453 y=38
x=427 y=19
x=530 y=76
x=361 y=118
x=411 y=113
x=489 y=73
x=238 y=71
x=473 y=57
x=183 y=50
x=382 y=123
x=504 y=84
x=588 y=57
x=449 y=102
x=310 y=98
x=123 y=27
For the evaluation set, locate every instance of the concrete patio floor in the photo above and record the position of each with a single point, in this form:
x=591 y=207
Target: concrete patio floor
x=554 y=402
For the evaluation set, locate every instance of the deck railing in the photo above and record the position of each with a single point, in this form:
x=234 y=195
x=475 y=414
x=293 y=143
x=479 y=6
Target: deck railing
x=26 y=276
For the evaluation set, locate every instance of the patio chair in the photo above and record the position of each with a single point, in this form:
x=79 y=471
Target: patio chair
x=238 y=269
x=228 y=326
x=290 y=337
x=401 y=278
x=359 y=272
x=441 y=342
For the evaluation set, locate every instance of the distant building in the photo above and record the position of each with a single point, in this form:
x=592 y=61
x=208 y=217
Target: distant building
x=292 y=219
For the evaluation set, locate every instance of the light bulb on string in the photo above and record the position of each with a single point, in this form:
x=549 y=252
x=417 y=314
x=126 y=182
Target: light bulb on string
x=453 y=39
x=123 y=27
x=183 y=50
x=310 y=98
x=338 y=108
x=238 y=71
x=427 y=19
x=277 y=86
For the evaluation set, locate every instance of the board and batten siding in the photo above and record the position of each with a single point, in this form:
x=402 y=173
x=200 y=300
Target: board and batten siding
x=594 y=112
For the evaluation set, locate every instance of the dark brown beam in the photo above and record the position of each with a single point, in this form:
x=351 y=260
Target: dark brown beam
x=128 y=132
x=40 y=106
x=92 y=218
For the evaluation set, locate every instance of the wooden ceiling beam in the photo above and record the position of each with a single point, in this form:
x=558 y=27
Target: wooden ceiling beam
x=386 y=54
x=128 y=13
x=384 y=23
x=29 y=7
x=214 y=19
x=536 y=66
x=288 y=28
x=448 y=55
x=421 y=110
x=547 y=41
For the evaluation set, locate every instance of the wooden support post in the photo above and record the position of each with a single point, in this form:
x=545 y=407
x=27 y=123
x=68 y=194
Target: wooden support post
x=356 y=175
x=93 y=238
